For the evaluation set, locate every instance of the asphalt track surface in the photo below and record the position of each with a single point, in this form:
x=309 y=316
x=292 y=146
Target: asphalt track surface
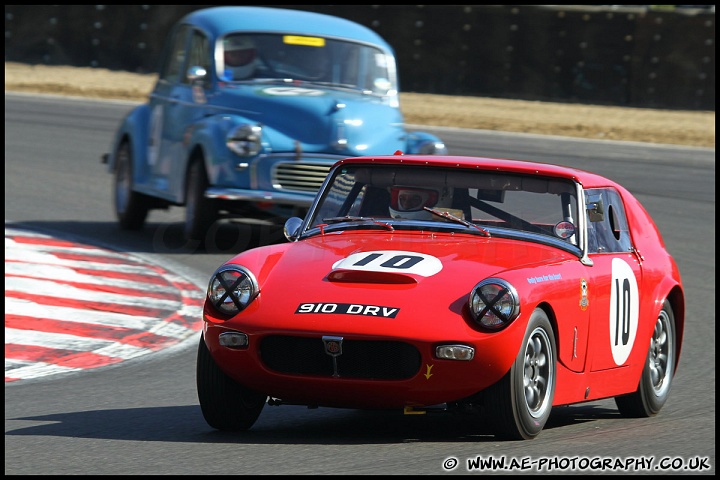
x=140 y=415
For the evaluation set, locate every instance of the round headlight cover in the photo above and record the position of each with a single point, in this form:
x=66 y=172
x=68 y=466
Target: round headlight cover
x=494 y=303
x=231 y=289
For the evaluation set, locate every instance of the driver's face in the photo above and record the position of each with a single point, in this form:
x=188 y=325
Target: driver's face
x=412 y=199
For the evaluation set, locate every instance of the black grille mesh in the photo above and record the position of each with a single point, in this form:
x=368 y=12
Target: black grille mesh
x=368 y=359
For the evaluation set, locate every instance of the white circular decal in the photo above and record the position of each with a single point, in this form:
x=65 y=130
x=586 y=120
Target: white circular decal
x=293 y=91
x=394 y=261
x=624 y=310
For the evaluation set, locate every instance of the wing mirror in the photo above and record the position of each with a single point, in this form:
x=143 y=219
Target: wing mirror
x=196 y=74
x=292 y=228
x=595 y=208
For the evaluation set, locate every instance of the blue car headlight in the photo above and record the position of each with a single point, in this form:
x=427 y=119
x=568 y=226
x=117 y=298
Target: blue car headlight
x=494 y=303
x=231 y=289
x=245 y=140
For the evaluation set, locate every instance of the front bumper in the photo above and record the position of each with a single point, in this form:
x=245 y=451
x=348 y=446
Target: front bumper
x=368 y=373
x=237 y=194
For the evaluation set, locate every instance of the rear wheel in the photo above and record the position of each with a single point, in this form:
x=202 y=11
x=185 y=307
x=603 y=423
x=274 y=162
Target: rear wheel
x=200 y=211
x=226 y=405
x=519 y=404
x=131 y=207
x=654 y=386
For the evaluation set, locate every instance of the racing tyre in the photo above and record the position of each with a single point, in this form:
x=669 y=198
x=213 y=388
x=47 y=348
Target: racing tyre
x=226 y=405
x=654 y=386
x=200 y=212
x=131 y=207
x=521 y=402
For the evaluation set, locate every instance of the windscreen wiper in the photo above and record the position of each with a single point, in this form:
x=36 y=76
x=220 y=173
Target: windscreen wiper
x=461 y=221
x=349 y=218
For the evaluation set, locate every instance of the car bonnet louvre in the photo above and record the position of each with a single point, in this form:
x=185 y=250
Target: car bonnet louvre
x=342 y=275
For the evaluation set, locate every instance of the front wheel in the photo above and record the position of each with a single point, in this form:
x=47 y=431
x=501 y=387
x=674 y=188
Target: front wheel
x=657 y=375
x=131 y=207
x=226 y=405
x=519 y=404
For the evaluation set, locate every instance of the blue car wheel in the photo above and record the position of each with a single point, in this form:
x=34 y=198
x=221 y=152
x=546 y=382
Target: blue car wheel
x=131 y=207
x=200 y=212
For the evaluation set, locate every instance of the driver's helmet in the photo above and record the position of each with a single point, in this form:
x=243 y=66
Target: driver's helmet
x=409 y=202
x=239 y=56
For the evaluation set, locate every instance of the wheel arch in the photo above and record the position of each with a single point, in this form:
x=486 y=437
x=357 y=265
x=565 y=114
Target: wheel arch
x=671 y=290
x=208 y=138
x=550 y=312
x=134 y=131
x=676 y=297
x=552 y=318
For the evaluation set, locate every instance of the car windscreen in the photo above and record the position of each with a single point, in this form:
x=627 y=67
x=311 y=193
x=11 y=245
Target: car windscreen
x=490 y=199
x=346 y=64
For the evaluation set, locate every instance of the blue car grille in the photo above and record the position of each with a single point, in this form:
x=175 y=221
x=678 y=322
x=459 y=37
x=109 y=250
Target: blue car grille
x=303 y=177
x=366 y=359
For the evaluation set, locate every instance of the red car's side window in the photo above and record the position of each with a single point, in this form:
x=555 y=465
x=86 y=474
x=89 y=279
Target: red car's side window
x=609 y=233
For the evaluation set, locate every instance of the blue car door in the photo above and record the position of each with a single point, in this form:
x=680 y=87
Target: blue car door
x=174 y=110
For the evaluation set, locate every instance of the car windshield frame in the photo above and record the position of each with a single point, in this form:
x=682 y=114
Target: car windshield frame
x=488 y=203
x=331 y=62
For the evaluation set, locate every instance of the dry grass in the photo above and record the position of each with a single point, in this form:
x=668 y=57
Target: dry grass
x=690 y=128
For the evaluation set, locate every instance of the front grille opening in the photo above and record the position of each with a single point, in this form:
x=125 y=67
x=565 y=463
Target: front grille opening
x=367 y=359
x=302 y=177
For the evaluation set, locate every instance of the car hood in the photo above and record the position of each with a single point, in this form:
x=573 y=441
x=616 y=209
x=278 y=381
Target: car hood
x=322 y=120
x=353 y=265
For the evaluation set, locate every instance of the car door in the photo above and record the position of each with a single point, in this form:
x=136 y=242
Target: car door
x=175 y=110
x=612 y=290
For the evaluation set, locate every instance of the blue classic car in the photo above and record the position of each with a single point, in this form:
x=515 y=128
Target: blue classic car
x=252 y=107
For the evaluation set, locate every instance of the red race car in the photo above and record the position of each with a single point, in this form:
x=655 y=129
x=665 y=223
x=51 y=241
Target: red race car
x=453 y=283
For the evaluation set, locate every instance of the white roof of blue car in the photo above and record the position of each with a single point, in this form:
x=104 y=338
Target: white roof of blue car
x=220 y=20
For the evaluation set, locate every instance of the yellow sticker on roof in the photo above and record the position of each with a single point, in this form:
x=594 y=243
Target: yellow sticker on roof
x=309 y=41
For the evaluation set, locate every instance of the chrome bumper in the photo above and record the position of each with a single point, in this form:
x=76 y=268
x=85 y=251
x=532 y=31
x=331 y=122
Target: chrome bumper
x=235 y=194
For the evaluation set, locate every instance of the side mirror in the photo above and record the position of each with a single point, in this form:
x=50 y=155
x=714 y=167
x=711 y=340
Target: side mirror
x=196 y=74
x=292 y=228
x=595 y=208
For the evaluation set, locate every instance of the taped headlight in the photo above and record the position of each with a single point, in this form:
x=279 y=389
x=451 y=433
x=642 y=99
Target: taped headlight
x=494 y=303
x=245 y=140
x=231 y=289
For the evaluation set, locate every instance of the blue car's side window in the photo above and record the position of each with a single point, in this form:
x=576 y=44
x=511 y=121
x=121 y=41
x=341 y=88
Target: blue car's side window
x=198 y=53
x=175 y=56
